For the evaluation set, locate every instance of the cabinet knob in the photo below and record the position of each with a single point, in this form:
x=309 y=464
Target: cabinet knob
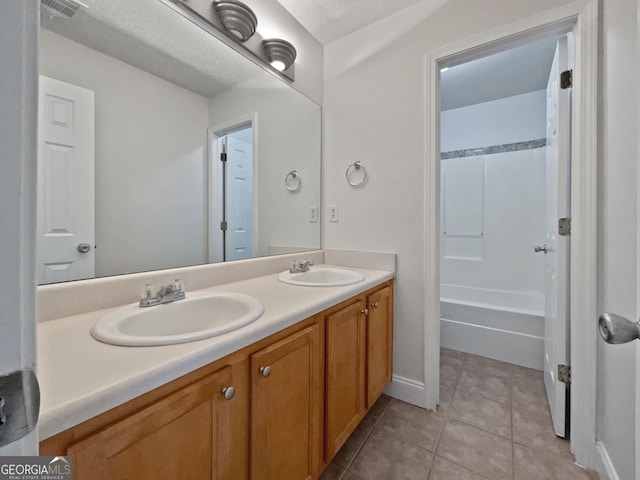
x=228 y=392
x=375 y=304
x=365 y=311
x=265 y=371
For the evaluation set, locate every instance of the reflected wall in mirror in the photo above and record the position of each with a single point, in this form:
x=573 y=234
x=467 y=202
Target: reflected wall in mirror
x=132 y=136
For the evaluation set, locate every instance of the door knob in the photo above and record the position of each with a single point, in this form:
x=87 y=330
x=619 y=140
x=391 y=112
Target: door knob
x=265 y=371
x=84 y=247
x=538 y=248
x=617 y=329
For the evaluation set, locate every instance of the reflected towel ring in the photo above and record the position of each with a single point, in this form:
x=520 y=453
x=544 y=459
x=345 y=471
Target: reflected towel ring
x=356 y=166
x=292 y=181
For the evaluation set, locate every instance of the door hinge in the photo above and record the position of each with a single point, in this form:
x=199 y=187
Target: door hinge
x=223 y=226
x=566 y=79
x=564 y=373
x=223 y=157
x=564 y=227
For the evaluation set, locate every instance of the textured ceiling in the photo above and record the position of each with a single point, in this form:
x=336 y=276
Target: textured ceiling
x=519 y=70
x=155 y=38
x=328 y=20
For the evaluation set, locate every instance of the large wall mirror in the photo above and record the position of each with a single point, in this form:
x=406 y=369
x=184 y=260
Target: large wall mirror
x=138 y=109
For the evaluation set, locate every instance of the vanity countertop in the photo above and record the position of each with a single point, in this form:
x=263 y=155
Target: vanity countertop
x=81 y=377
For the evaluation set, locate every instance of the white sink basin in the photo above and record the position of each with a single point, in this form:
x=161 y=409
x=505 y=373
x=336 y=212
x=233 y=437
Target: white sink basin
x=322 y=277
x=200 y=315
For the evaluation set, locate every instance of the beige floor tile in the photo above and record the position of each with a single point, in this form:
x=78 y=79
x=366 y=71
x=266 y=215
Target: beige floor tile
x=476 y=384
x=487 y=366
x=446 y=397
x=333 y=472
x=486 y=414
x=351 y=447
x=385 y=457
x=351 y=476
x=449 y=375
x=445 y=470
x=530 y=464
x=528 y=386
x=451 y=357
x=532 y=427
x=412 y=424
x=479 y=451
x=373 y=416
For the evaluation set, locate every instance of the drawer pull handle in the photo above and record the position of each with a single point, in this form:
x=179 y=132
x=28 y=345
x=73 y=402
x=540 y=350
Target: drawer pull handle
x=228 y=393
x=265 y=371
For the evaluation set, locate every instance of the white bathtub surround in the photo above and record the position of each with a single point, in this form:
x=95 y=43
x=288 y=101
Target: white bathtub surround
x=81 y=377
x=495 y=332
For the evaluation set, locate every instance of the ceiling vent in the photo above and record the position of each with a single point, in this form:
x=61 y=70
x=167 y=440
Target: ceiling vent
x=61 y=8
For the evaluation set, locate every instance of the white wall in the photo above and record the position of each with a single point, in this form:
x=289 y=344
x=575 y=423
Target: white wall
x=374 y=112
x=274 y=21
x=616 y=402
x=509 y=210
x=288 y=128
x=18 y=124
x=508 y=120
x=151 y=188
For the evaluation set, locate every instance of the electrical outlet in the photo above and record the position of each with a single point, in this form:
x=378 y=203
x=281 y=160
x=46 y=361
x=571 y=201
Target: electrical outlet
x=333 y=213
x=313 y=214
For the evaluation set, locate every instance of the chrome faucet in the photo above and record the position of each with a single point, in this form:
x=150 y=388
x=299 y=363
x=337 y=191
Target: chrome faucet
x=166 y=294
x=299 y=267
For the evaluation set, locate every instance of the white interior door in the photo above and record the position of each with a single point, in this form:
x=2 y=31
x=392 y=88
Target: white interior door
x=557 y=255
x=239 y=243
x=66 y=185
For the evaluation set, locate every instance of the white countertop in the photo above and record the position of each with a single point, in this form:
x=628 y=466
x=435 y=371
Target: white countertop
x=81 y=377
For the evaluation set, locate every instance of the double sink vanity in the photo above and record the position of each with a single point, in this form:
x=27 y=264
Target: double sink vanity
x=261 y=378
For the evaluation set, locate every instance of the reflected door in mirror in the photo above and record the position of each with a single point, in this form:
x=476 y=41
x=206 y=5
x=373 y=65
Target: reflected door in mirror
x=66 y=224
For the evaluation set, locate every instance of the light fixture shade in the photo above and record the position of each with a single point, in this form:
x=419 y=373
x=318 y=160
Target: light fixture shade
x=280 y=52
x=237 y=18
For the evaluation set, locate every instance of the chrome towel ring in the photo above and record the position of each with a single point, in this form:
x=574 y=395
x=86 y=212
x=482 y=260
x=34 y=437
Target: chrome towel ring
x=293 y=181
x=356 y=167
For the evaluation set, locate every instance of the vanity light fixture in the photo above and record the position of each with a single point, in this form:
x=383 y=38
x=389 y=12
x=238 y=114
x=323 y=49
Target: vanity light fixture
x=235 y=24
x=237 y=18
x=280 y=52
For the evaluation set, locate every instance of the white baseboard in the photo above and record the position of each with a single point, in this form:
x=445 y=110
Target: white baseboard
x=407 y=390
x=604 y=465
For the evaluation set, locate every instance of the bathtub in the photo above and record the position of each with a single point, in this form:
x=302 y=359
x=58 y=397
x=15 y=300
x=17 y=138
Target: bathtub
x=500 y=324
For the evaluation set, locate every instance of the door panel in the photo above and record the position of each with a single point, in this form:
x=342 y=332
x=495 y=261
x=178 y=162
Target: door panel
x=239 y=199
x=557 y=256
x=65 y=182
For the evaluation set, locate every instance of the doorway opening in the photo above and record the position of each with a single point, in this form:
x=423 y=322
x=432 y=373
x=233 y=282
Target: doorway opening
x=504 y=184
x=582 y=21
x=231 y=201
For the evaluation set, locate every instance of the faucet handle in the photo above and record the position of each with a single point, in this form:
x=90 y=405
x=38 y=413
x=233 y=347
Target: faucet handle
x=178 y=285
x=147 y=291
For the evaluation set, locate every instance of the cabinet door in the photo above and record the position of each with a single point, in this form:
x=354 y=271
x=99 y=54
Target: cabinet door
x=176 y=437
x=286 y=414
x=379 y=343
x=345 y=374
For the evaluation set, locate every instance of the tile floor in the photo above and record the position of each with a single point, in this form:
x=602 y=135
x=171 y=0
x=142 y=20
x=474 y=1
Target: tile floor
x=493 y=423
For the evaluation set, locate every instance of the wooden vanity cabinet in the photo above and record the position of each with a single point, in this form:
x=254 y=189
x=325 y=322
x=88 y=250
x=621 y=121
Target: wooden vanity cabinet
x=359 y=349
x=299 y=394
x=184 y=435
x=286 y=408
x=345 y=373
